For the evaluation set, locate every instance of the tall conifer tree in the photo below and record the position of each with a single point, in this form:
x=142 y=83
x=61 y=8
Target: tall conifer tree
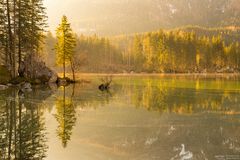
x=66 y=43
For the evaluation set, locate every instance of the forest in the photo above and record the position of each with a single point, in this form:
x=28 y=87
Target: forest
x=190 y=49
x=22 y=26
x=26 y=46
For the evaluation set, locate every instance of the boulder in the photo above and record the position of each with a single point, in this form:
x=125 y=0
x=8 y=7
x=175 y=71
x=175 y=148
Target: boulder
x=36 y=70
x=53 y=78
x=26 y=87
x=9 y=85
x=3 y=87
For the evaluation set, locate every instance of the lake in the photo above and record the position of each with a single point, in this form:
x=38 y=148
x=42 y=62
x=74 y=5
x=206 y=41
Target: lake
x=139 y=118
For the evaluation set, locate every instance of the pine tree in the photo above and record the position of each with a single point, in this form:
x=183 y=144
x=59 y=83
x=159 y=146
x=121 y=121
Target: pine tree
x=66 y=43
x=37 y=24
x=2 y=32
x=22 y=24
x=10 y=44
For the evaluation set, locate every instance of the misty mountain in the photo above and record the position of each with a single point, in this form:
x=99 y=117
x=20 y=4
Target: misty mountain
x=111 y=17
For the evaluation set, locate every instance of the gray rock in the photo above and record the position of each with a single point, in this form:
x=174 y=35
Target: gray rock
x=36 y=69
x=3 y=87
x=26 y=87
x=9 y=85
x=54 y=78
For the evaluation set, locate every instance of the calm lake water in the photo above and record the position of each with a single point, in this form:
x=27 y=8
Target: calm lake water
x=140 y=118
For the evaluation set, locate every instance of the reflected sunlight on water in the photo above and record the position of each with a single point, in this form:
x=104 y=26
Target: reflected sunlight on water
x=139 y=118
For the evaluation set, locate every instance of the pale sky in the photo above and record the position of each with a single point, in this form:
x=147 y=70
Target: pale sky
x=80 y=13
x=55 y=10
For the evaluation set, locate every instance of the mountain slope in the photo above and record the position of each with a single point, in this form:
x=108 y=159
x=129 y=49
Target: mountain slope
x=111 y=17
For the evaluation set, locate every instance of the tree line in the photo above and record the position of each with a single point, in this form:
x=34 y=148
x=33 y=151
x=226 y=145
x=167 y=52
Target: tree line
x=90 y=54
x=22 y=24
x=184 y=50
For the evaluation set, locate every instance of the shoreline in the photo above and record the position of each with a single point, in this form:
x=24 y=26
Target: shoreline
x=157 y=74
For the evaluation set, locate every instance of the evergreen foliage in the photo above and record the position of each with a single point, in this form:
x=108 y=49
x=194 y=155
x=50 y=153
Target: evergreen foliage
x=183 y=50
x=66 y=43
x=22 y=24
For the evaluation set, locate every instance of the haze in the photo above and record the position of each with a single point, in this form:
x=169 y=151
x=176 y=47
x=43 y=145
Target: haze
x=112 y=17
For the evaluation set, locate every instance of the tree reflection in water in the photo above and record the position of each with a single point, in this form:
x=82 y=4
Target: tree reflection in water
x=22 y=131
x=191 y=111
x=184 y=97
x=65 y=116
x=167 y=95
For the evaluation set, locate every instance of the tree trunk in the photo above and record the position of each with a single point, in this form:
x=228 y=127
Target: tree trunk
x=64 y=70
x=73 y=71
x=10 y=39
x=64 y=57
x=14 y=38
x=19 y=36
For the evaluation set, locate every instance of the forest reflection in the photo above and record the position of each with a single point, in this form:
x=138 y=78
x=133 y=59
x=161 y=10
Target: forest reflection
x=186 y=96
x=23 y=129
x=22 y=126
x=168 y=95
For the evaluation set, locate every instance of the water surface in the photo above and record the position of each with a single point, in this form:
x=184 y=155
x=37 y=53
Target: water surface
x=141 y=117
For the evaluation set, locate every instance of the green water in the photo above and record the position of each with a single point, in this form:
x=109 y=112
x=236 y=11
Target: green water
x=140 y=118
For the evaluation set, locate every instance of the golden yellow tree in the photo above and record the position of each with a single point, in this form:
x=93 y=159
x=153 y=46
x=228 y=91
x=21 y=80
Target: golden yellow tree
x=66 y=43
